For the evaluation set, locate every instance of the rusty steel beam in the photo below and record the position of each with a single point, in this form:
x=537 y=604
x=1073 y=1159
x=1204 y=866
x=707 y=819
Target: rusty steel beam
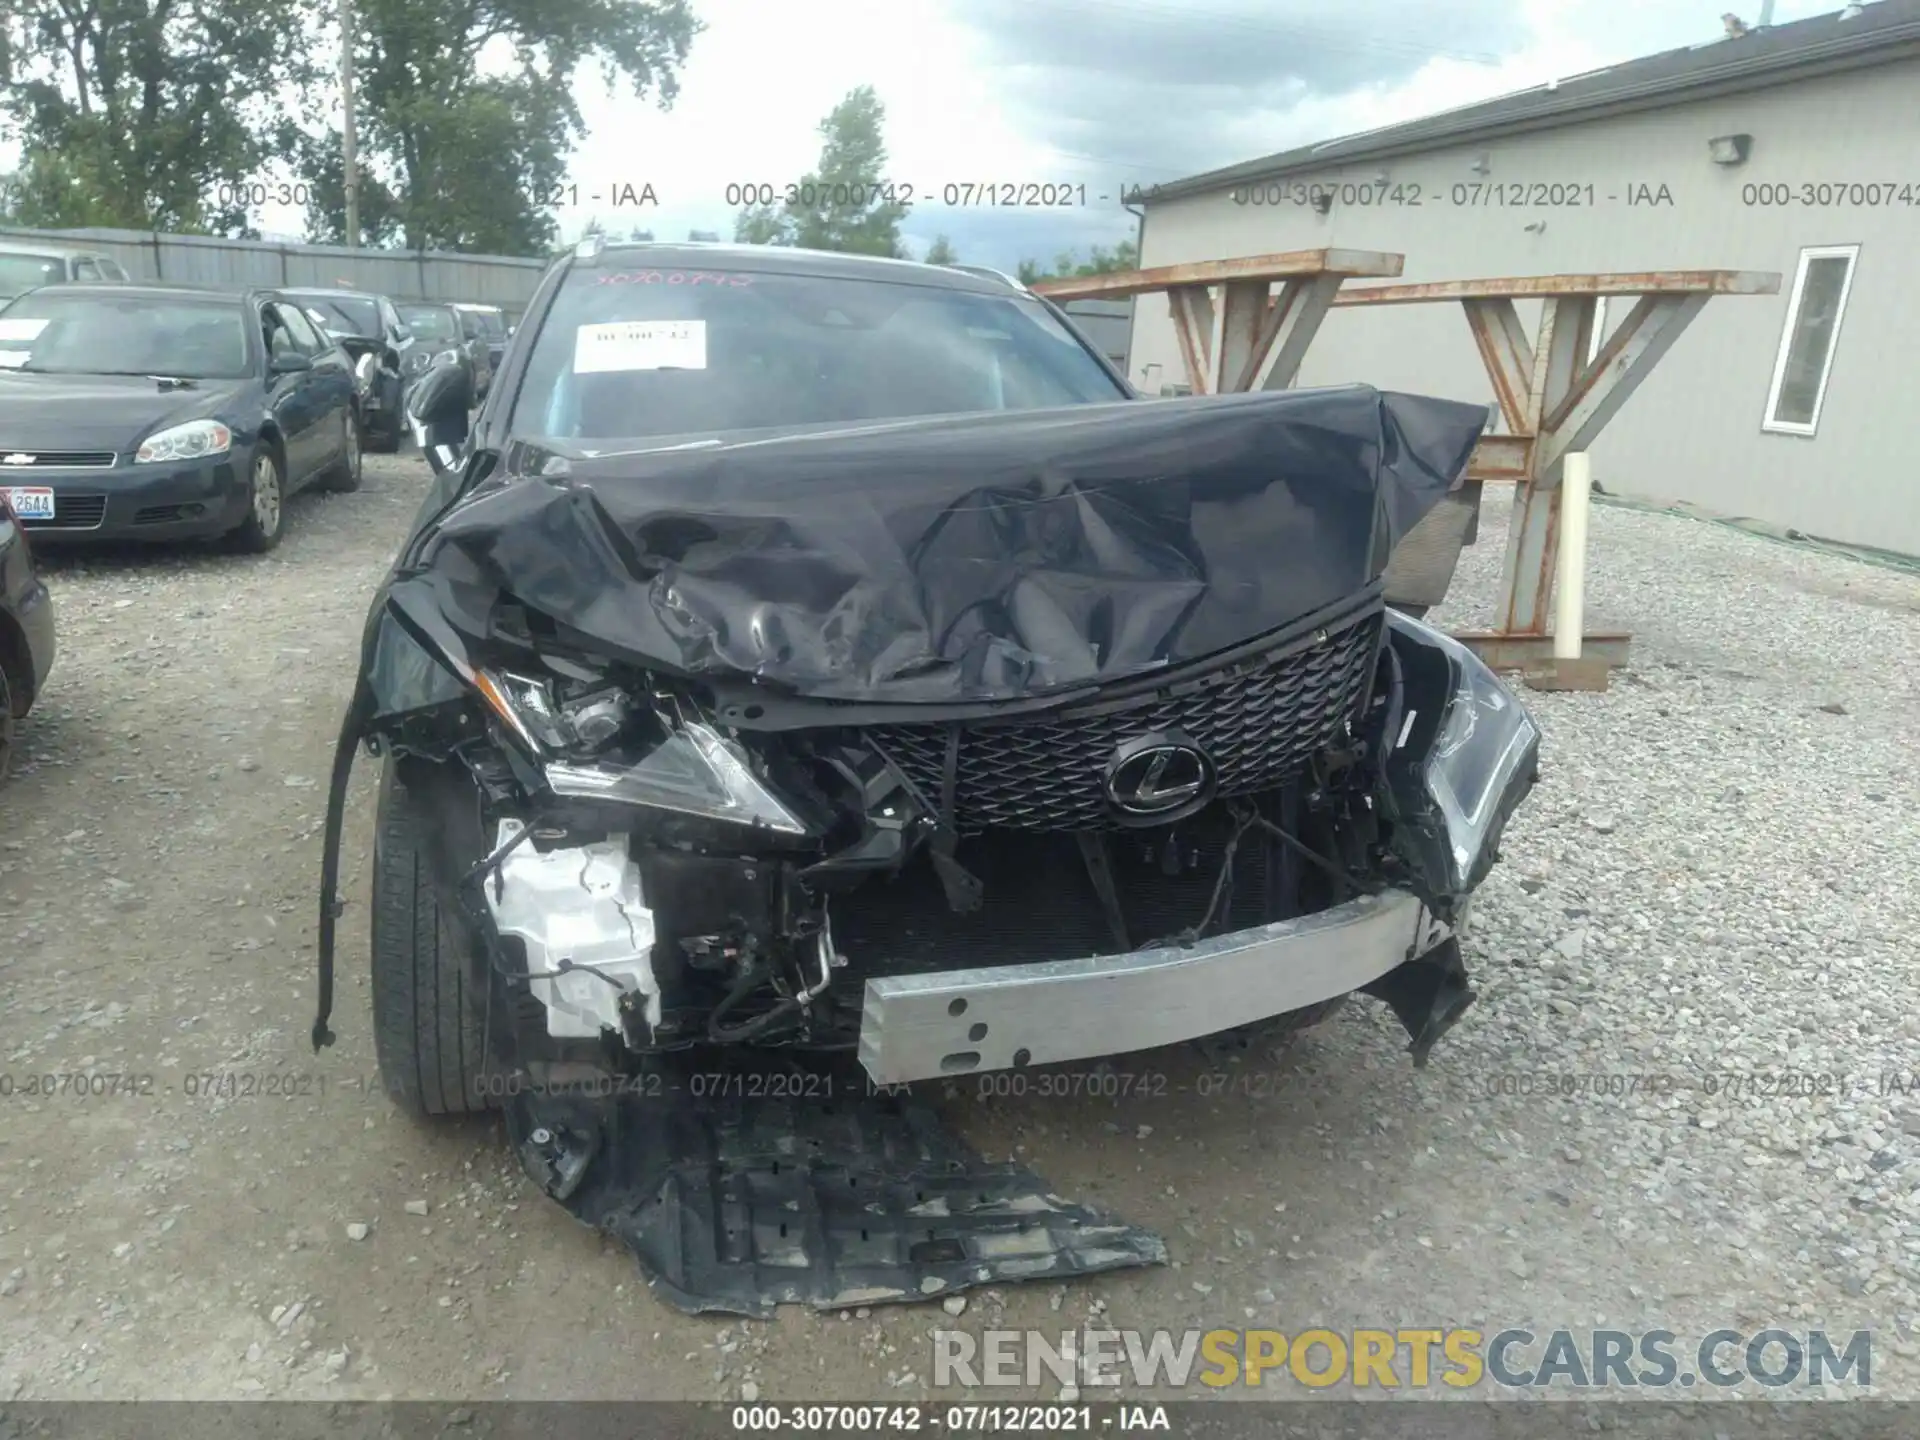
x=1535 y=652
x=1247 y=339
x=1192 y=309
x=1238 y=322
x=1284 y=265
x=1507 y=354
x=1502 y=459
x=1533 y=538
x=1547 y=287
x=1604 y=386
x=1293 y=320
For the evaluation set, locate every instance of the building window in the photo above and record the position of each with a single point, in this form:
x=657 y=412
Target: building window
x=1807 y=343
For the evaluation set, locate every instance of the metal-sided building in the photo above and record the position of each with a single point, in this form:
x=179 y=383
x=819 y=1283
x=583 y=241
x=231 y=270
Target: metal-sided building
x=1792 y=148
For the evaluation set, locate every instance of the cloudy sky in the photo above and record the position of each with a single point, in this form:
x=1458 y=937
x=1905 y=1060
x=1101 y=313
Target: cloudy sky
x=1105 y=93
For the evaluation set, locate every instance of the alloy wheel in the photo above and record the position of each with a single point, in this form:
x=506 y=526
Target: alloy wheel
x=266 y=493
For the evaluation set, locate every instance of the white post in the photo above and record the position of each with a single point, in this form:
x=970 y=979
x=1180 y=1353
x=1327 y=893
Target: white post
x=1569 y=610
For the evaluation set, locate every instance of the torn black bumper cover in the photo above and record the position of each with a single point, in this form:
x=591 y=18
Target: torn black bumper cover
x=739 y=1204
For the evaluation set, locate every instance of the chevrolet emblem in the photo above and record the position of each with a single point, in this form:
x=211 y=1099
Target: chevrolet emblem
x=17 y=458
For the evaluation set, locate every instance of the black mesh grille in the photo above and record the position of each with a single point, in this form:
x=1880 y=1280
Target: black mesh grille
x=1259 y=721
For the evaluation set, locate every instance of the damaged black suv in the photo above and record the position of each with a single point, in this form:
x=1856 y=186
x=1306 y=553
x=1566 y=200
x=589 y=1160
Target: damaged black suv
x=834 y=654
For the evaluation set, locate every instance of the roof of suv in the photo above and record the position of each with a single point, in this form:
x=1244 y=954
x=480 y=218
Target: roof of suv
x=790 y=260
x=329 y=291
x=20 y=247
x=96 y=291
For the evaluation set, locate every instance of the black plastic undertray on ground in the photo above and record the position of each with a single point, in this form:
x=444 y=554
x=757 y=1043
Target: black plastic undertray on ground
x=740 y=1203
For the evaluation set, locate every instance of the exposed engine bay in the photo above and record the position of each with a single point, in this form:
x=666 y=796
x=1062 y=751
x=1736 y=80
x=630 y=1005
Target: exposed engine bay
x=640 y=924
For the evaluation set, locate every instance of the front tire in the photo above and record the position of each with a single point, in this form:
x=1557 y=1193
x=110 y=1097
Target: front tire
x=266 y=503
x=9 y=723
x=429 y=1017
x=345 y=478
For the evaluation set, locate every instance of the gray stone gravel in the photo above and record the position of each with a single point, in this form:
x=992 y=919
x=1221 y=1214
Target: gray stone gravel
x=1717 y=878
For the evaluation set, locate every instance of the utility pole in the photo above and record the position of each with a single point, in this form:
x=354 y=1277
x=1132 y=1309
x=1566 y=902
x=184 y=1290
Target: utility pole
x=349 y=159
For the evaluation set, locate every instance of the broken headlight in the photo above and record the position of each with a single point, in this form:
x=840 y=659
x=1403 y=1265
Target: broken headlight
x=1465 y=755
x=694 y=771
x=689 y=769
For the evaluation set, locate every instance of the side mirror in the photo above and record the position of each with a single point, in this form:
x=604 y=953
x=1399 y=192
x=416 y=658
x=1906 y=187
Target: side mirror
x=439 y=401
x=291 y=362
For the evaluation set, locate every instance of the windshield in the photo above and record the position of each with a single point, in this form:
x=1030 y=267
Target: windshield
x=26 y=272
x=644 y=353
x=124 y=335
x=490 y=323
x=337 y=312
x=430 y=322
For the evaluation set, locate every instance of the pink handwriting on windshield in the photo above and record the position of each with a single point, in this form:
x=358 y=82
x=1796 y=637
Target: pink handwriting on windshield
x=673 y=277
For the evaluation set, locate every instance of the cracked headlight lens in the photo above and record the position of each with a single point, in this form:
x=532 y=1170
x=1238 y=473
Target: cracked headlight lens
x=694 y=771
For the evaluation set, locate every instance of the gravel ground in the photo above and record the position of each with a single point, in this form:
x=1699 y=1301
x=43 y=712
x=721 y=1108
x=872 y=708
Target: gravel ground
x=1716 y=878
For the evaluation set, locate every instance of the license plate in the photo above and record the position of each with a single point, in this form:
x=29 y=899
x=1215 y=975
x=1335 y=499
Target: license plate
x=31 y=502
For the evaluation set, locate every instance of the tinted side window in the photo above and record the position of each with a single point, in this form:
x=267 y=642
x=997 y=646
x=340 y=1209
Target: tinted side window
x=308 y=339
x=274 y=333
x=85 y=270
x=111 y=269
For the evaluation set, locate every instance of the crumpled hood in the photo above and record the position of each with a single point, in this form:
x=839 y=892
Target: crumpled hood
x=956 y=559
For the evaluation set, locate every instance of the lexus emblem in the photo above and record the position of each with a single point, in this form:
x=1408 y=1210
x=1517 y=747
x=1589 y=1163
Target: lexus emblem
x=1158 y=778
x=17 y=458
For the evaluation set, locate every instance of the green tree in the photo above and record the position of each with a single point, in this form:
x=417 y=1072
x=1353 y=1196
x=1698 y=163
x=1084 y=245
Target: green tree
x=843 y=203
x=321 y=169
x=476 y=159
x=145 y=113
x=760 y=225
x=941 y=252
x=1101 y=261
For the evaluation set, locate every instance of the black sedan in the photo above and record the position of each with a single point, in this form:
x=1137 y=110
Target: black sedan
x=438 y=330
x=382 y=349
x=489 y=324
x=26 y=630
x=165 y=412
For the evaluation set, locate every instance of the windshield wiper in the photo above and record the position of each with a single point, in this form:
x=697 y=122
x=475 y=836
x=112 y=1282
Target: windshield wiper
x=172 y=382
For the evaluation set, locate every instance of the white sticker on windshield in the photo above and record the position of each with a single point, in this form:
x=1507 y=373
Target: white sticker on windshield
x=21 y=329
x=640 y=345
